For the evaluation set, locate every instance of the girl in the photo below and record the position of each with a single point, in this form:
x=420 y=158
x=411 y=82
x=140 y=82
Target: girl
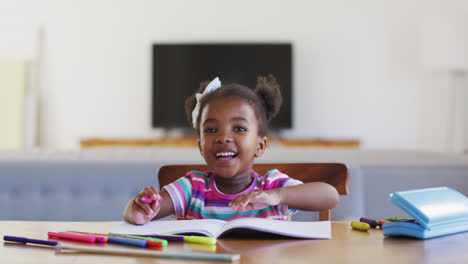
x=231 y=123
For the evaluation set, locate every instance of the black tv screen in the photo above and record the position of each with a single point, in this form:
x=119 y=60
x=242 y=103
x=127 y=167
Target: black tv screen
x=178 y=70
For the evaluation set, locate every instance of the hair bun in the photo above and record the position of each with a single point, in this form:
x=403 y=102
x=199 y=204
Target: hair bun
x=268 y=91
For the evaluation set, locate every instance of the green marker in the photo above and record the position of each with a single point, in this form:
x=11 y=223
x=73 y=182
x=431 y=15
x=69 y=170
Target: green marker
x=396 y=219
x=164 y=242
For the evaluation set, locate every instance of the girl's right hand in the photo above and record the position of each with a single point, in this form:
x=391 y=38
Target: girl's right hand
x=141 y=212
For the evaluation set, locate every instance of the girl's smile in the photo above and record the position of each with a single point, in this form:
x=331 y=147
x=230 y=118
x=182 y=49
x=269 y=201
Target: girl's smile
x=229 y=139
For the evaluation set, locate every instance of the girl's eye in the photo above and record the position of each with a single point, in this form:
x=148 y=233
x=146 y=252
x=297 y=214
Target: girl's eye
x=210 y=130
x=240 y=129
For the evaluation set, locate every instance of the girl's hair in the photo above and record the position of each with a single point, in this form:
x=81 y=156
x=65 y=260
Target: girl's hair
x=265 y=99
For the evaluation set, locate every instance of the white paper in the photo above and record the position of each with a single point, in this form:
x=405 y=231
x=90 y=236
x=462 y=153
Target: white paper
x=208 y=227
x=315 y=229
x=214 y=228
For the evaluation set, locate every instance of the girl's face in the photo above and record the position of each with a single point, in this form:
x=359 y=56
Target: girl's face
x=229 y=139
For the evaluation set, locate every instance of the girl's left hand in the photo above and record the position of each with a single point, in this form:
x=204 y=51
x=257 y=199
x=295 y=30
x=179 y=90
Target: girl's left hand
x=255 y=200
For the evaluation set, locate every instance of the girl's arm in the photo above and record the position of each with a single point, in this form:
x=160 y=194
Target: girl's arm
x=137 y=212
x=312 y=196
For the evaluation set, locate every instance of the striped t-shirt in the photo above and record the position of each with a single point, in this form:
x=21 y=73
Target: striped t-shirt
x=195 y=196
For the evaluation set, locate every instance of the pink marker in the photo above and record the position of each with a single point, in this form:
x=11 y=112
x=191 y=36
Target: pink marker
x=149 y=199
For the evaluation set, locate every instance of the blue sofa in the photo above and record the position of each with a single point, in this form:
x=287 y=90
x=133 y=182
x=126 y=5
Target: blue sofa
x=95 y=185
x=70 y=190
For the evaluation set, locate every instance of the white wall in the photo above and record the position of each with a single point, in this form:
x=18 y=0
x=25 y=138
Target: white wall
x=357 y=64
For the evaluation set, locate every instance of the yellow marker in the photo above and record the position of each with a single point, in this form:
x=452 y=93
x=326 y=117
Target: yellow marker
x=191 y=239
x=202 y=247
x=200 y=239
x=360 y=226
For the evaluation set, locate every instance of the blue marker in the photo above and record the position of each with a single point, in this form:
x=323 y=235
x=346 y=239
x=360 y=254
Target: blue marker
x=29 y=240
x=127 y=241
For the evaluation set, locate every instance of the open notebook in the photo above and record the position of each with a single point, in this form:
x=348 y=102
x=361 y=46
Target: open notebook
x=437 y=212
x=217 y=228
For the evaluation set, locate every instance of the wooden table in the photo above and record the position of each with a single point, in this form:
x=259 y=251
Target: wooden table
x=346 y=246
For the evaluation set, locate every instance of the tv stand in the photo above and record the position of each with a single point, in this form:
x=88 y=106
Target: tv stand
x=191 y=141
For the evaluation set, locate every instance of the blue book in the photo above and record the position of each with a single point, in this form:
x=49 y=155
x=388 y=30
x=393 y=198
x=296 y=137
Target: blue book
x=437 y=212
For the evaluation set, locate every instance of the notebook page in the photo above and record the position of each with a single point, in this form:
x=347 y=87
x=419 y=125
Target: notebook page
x=315 y=229
x=208 y=227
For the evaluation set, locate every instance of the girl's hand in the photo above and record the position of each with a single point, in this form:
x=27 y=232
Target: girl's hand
x=139 y=211
x=255 y=200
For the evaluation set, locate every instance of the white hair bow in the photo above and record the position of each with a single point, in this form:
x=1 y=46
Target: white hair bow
x=213 y=85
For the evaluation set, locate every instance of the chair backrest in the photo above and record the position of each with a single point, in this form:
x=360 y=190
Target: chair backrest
x=335 y=174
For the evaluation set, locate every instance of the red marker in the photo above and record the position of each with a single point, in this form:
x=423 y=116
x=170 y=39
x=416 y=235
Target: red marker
x=75 y=237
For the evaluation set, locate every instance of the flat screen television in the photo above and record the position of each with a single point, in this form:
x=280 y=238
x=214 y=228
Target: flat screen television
x=179 y=68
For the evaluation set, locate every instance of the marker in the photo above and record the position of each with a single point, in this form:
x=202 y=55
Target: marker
x=203 y=247
x=127 y=241
x=29 y=240
x=167 y=237
x=152 y=242
x=126 y=251
x=199 y=239
x=189 y=239
x=372 y=223
x=99 y=238
x=382 y=222
x=74 y=237
x=399 y=219
x=120 y=240
x=149 y=199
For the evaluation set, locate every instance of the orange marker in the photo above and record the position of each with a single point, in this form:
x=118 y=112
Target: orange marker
x=382 y=222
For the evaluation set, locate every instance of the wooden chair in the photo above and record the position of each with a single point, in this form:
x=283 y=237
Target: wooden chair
x=335 y=174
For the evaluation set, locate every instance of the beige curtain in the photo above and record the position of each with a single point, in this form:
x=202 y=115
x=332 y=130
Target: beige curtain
x=13 y=85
